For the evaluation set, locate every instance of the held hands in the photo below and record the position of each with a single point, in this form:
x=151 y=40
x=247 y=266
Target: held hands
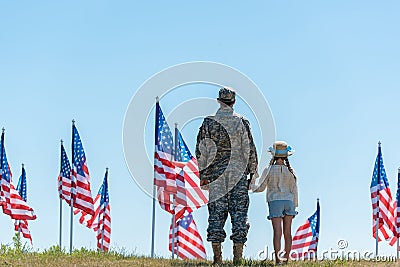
x=251 y=182
x=204 y=184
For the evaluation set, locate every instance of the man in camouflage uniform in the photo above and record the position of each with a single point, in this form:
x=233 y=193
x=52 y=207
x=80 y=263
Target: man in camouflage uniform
x=226 y=154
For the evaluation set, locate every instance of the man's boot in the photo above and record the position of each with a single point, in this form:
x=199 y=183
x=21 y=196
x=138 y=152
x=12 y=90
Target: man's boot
x=217 y=253
x=237 y=253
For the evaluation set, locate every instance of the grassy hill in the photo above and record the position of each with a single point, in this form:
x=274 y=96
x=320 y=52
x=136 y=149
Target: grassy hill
x=83 y=257
x=20 y=255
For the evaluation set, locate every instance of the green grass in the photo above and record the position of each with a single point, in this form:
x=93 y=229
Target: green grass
x=83 y=257
x=19 y=254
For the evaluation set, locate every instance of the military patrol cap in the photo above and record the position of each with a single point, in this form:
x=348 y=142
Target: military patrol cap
x=227 y=95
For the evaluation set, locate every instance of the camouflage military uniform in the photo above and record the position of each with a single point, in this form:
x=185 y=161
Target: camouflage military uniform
x=226 y=155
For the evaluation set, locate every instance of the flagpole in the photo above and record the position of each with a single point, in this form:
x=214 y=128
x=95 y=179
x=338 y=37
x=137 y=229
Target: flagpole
x=59 y=239
x=173 y=230
x=19 y=221
x=1 y=152
x=153 y=220
x=377 y=213
x=60 y=234
x=177 y=149
x=72 y=195
x=71 y=225
x=19 y=229
x=397 y=248
x=173 y=205
x=319 y=223
x=104 y=215
x=98 y=219
x=1 y=155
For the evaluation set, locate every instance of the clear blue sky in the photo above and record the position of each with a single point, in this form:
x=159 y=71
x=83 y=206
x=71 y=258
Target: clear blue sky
x=329 y=70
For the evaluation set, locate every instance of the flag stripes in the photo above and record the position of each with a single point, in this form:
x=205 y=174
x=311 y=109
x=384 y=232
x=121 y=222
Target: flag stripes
x=104 y=229
x=22 y=226
x=16 y=207
x=189 y=194
x=195 y=197
x=164 y=171
x=303 y=239
x=188 y=242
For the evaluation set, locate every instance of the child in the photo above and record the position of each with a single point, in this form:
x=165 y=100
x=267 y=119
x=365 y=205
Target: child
x=280 y=181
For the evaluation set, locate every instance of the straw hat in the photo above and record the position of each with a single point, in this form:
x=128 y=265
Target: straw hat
x=280 y=149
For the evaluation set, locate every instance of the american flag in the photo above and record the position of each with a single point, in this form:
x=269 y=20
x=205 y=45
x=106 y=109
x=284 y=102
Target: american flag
x=64 y=178
x=189 y=194
x=12 y=203
x=101 y=221
x=22 y=225
x=397 y=212
x=383 y=206
x=103 y=226
x=305 y=241
x=80 y=176
x=164 y=169
x=188 y=242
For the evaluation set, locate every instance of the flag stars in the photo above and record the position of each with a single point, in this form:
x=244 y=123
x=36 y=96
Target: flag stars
x=164 y=135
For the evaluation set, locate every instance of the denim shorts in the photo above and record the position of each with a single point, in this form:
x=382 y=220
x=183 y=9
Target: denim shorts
x=280 y=208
